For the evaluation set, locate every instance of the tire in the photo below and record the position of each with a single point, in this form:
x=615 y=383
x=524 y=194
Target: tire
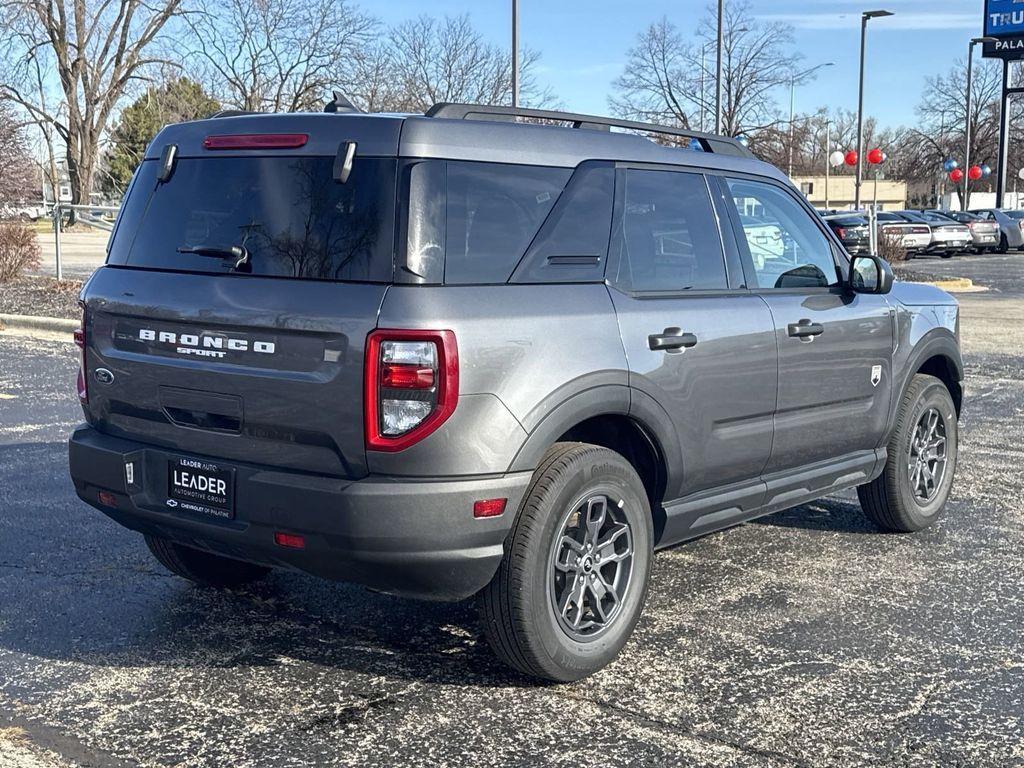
x=946 y=254
x=519 y=609
x=1004 y=246
x=890 y=500
x=204 y=568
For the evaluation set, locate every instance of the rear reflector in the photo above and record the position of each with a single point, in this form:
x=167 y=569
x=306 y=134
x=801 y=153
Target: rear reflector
x=290 y=540
x=107 y=499
x=257 y=141
x=489 y=507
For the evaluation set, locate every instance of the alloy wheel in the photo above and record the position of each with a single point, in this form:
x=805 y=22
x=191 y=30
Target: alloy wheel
x=591 y=564
x=927 y=458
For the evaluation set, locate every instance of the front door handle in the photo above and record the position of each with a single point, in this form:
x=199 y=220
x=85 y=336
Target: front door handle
x=805 y=329
x=671 y=340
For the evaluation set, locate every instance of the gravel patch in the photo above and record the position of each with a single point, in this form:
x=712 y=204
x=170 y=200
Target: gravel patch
x=41 y=296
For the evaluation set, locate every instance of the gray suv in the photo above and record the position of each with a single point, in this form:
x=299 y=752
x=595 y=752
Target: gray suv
x=466 y=354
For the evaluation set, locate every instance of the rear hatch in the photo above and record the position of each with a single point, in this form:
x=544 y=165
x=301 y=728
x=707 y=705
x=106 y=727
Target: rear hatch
x=260 y=362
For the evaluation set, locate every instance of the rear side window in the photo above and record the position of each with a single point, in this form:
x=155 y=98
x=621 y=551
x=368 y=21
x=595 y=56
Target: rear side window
x=289 y=213
x=667 y=236
x=493 y=213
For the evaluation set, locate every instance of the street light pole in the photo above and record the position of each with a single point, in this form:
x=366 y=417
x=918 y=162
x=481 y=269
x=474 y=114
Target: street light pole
x=515 y=54
x=718 y=70
x=828 y=149
x=860 y=102
x=967 y=126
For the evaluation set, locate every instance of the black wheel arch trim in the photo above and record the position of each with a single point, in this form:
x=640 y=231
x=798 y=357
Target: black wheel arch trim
x=605 y=400
x=939 y=342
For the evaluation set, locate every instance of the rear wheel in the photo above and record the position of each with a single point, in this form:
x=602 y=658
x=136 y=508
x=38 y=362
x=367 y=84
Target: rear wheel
x=204 y=568
x=574 y=578
x=911 y=492
x=1004 y=246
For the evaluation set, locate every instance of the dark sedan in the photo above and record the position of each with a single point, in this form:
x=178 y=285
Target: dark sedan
x=854 y=232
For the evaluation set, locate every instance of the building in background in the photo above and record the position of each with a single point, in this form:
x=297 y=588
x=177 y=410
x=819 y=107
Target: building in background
x=891 y=195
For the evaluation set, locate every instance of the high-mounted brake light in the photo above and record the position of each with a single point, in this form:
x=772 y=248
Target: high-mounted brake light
x=80 y=342
x=411 y=386
x=257 y=141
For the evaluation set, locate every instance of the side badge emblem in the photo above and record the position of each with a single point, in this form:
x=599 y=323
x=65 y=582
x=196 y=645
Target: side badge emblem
x=876 y=375
x=103 y=376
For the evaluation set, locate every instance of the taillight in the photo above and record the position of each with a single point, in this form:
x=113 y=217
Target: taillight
x=80 y=341
x=1020 y=223
x=841 y=231
x=412 y=386
x=257 y=141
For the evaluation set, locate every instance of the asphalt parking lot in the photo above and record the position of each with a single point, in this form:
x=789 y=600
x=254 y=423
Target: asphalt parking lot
x=807 y=638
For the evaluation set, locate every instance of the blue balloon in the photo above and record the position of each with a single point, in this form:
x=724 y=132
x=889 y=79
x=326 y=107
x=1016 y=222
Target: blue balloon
x=986 y=171
x=950 y=165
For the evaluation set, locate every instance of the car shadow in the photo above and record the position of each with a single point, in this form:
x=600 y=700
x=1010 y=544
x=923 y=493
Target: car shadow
x=79 y=588
x=832 y=513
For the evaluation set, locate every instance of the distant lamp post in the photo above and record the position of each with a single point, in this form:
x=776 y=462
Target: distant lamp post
x=515 y=54
x=718 y=69
x=864 y=17
x=792 y=104
x=967 y=129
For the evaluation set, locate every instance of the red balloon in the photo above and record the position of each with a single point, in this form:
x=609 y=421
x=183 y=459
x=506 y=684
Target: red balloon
x=875 y=156
x=956 y=175
x=974 y=173
x=850 y=158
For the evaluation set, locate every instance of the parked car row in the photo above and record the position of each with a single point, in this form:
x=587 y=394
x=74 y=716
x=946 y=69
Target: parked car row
x=931 y=231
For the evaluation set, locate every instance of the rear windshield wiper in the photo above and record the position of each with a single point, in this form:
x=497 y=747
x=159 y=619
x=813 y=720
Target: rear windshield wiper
x=236 y=252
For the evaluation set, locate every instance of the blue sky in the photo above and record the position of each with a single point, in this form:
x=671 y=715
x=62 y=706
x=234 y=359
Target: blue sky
x=583 y=44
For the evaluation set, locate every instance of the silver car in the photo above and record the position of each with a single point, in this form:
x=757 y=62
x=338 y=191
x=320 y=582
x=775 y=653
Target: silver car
x=1011 y=227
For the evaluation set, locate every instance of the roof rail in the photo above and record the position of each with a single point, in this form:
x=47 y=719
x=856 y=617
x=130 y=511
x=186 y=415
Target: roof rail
x=709 y=142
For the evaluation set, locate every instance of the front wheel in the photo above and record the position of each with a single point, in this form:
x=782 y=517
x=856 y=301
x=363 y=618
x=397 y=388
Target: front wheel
x=574 y=577
x=911 y=492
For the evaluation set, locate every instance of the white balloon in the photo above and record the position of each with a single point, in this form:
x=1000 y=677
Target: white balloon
x=836 y=159
x=1020 y=173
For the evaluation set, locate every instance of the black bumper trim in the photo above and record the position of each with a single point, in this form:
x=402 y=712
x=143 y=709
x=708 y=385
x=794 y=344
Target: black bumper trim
x=406 y=536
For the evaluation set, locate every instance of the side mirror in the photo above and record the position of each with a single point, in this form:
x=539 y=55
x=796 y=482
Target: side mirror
x=870 y=274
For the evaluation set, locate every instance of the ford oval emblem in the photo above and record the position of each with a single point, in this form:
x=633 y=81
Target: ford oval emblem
x=103 y=376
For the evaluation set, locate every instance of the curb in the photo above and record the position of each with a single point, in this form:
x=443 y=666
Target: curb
x=953 y=284
x=56 y=324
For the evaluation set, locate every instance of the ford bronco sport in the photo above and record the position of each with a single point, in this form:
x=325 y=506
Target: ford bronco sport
x=496 y=353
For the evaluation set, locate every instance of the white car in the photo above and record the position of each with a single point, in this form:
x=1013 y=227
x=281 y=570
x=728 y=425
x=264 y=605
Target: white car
x=915 y=237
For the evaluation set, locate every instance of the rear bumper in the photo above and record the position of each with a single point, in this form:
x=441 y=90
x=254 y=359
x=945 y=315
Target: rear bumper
x=404 y=536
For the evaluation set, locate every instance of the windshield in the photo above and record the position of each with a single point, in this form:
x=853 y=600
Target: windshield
x=288 y=213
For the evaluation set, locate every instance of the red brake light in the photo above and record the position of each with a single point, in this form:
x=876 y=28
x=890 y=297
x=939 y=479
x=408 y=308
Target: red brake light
x=841 y=231
x=411 y=386
x=257 y=141
x=405 y=376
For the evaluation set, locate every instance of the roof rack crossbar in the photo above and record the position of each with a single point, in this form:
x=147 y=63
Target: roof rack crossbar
x=709 y=142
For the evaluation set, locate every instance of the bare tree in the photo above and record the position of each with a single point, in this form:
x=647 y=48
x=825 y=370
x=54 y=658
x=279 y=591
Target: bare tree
x=17 y=171
x=434 y=61
x=277 y=55
x=97 y=49
x=663 y=75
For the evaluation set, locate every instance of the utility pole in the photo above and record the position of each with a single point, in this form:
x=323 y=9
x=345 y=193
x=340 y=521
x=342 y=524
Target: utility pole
x=828 y=161
x=860 y=102
x=718 y=69
x=515 y=54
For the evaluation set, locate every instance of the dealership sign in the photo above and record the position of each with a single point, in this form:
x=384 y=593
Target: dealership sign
x=1004 y=20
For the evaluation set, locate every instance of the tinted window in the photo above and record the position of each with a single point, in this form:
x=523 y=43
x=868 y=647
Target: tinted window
x=288 y=212
x=667 y=238
x=573 y=242
x=847 y=221
x=1015 y=214
x=786 y=247
x=494 y=212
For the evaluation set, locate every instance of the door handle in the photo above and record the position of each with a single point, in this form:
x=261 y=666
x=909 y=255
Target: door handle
x=671 y=340
x=805 y=329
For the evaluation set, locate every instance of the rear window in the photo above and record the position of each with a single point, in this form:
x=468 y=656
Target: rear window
x=848 y=221
x=289 y=213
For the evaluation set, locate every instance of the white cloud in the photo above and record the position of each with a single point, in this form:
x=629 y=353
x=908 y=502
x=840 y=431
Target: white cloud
x=901 y=21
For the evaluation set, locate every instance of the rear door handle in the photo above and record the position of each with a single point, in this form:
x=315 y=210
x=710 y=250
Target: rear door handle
x=805 y=329
x=671 y=340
